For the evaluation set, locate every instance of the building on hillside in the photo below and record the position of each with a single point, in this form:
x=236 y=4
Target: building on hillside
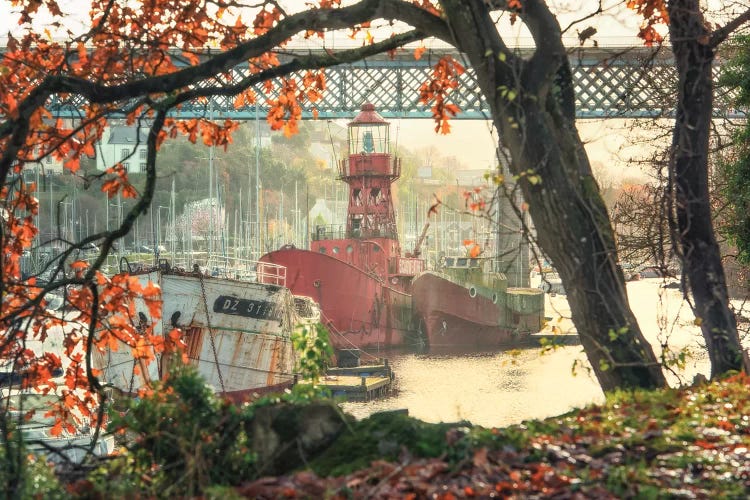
x=123 y=144
x=473 y=178
x=47 y=166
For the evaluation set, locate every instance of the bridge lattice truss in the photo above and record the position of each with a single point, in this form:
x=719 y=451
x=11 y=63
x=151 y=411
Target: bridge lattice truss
x=609 y=83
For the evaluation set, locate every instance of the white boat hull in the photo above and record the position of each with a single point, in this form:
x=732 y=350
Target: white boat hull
x=237 y=334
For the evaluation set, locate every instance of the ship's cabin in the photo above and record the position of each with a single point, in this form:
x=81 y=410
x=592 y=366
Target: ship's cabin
x=477 y=271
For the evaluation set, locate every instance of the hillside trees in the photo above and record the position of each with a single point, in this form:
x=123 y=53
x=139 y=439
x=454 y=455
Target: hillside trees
x=734 y=169
x=641 y=225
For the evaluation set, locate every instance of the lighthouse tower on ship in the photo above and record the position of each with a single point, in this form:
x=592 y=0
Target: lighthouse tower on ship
x=357 y=274
x=369 y=171
x=371 y=239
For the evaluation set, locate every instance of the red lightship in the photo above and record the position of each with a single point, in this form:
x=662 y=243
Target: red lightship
x=358 y=276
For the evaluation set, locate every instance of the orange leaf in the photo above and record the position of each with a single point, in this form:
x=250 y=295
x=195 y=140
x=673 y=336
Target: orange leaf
x=56 y=429
x=12 y=104
x=129 y=192
x=111 y=187
x=705 y=444
x=79 y=265
x=73 y=164
x=418 y=52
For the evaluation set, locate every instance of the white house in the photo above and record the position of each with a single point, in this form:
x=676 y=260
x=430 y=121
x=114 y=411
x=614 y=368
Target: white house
x=123 y=144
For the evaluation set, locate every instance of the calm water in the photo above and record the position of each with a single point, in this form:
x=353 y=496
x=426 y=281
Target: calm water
x=501 y=388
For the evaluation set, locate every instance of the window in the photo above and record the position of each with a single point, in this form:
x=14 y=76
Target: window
x=124 y=153
x=142 y=154
x=127 y=167
x=143 y=166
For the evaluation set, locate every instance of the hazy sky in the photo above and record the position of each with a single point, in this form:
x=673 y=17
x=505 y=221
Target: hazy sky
x=608 y=142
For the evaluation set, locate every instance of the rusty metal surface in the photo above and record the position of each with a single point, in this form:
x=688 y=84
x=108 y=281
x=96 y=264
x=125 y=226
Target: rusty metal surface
x=251 y=352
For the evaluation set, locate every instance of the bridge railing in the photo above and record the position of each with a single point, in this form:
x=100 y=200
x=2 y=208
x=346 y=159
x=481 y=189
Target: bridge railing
x=609 y=82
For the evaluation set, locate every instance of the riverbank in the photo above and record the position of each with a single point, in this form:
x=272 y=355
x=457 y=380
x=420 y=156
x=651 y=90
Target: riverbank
x=678 y=443
x=184 y=442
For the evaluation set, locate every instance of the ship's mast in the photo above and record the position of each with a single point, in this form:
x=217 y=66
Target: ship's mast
x=370 y=170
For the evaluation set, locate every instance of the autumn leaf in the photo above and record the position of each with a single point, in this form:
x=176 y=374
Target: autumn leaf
x=56 y=429
x=79 y=265
x=239 y=100
x=11 y=104
x=129 y=191
x=111 y=187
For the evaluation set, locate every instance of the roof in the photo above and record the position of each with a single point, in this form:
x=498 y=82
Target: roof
x=127 y=135
x=368 y=115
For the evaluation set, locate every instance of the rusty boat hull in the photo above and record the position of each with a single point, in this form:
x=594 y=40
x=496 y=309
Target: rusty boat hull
x=237 y=334
x=451 y=314
x=359 y=308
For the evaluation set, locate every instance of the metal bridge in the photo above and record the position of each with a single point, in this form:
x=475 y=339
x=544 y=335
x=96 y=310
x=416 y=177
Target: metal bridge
x=610 y=82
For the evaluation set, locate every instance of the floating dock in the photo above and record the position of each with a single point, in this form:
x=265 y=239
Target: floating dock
x=360 y=383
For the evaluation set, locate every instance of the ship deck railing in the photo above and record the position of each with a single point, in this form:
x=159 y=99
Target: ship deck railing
x=221 y=266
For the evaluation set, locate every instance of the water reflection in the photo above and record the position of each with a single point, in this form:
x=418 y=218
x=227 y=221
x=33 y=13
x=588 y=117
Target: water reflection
x=490 y=389
x=502 y=388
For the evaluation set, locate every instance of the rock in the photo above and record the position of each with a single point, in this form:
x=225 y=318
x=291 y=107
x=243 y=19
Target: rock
x=285 y=436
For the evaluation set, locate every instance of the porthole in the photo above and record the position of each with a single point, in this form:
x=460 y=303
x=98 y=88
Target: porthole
x=335 y=249
x=322 y=249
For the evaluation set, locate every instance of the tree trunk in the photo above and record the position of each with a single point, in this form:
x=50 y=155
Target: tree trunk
x=699 y=251
x=584 y=252
x=537 y=125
